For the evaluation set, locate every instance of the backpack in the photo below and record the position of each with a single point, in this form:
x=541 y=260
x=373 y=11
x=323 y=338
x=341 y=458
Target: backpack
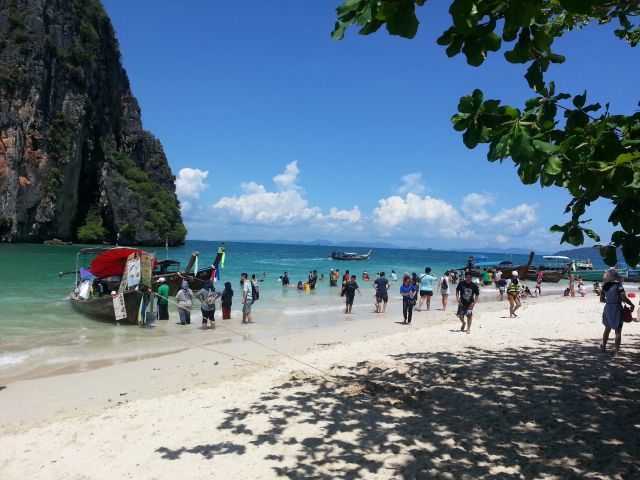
x=255 y=293
x=211 y=297
x=445 y=284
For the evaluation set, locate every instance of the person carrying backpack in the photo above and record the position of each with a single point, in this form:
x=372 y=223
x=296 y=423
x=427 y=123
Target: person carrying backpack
x=247 y=297
x=443 y=285
x=207 y=297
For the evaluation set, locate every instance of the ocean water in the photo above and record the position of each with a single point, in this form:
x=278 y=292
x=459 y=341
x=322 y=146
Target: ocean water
x=40 y=334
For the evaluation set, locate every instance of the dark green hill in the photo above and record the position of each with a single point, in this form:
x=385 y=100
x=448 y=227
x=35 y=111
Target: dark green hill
x=75 y=162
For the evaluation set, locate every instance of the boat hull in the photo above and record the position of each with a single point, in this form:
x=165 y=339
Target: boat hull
x=101 y=308
x=549 y=276
x=595 y=275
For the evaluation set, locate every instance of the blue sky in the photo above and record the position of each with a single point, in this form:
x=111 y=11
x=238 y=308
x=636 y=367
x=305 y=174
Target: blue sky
x=303 y=137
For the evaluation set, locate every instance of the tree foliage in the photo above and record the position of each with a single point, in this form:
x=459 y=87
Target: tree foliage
x=555 y=138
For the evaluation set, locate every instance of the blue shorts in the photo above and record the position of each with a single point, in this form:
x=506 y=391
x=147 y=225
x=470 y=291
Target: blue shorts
x=464 y=311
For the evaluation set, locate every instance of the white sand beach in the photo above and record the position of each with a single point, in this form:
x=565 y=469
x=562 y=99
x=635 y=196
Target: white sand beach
x=531 y=397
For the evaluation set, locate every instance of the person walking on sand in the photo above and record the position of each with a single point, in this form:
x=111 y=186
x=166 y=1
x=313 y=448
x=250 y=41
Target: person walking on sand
x=184 y=297
x=227 y=295
x=467 y=295
x=163 y=299
x=426 y=288
x=513 y=294
x=207 y=296
x=539 y=283
x=381 y=284
x=496 y=278
x=350 y=293
x=612 y=296
x=443 y=286
x=408 y=291
x=247 y=298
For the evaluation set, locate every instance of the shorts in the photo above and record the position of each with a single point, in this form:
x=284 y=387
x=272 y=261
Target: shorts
x=208 y=315
x=464 y=311
x=350 y=299
x=426 y=293
x=382 y=298
x=246 y=307
x=502 y=290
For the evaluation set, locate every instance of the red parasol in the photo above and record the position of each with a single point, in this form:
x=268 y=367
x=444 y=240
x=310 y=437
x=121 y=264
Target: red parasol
x=113 y=262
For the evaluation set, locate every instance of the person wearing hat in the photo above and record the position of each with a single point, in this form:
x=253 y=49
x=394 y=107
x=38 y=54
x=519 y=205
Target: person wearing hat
x=513 y=294
x=163 y=299
x=613 y=295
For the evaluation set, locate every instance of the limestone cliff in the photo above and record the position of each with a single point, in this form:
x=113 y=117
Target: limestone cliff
x=75 y=163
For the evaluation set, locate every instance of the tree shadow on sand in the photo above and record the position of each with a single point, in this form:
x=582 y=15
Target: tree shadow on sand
x=559 y=409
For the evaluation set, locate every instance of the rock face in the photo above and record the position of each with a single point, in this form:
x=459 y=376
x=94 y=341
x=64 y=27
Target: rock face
x=75 y=163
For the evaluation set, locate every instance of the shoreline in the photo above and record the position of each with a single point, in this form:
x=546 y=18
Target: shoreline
x=233 y=356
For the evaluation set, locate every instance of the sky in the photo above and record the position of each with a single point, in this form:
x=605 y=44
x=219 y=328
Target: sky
x=277 y=132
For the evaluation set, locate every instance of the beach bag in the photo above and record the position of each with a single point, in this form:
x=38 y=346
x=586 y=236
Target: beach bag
x=255 y=293
x=627 y=315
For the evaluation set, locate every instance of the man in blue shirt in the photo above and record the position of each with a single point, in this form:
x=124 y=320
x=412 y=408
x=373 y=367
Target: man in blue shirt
x=426 y=288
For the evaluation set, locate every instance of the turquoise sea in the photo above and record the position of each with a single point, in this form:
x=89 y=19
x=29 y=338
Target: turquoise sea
x=41 y=334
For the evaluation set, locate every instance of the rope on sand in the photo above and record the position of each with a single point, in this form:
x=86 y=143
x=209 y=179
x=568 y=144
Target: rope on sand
x=324 y=373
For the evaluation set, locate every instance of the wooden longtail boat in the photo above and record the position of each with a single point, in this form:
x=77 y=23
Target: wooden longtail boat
x=550 y=276
x=107 y=273
x=505 y=267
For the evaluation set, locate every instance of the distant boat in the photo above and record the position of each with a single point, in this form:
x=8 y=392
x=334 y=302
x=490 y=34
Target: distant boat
x=340 y=255
x=506 y=267
x=597 y=275
x=553 y=271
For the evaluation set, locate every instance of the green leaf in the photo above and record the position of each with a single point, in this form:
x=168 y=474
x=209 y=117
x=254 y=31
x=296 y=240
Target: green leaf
x=521 y=147
x=553 y=166
x=460 y=11
x=545 y=147
x=338 y=30
x=577 y=6
x=608 y=254
x=578 y=100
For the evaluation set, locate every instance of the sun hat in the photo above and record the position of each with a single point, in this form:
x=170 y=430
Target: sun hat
x=514 y=273
x=162 y=280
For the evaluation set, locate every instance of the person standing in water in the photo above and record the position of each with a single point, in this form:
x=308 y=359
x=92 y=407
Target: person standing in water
x=207 y=296
x=408 y=292
x=467 y=294
x=381 y=284
x=163 y=299
x=285 y=279
x=227 y=295
x=247 y=298
x=350 y=293
x=184 y=297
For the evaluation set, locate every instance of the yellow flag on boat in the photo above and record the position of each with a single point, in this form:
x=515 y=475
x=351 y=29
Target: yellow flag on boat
x=221 y=251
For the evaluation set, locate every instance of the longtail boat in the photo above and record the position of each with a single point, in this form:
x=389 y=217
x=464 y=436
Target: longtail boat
x=340 y=255
x=505 y=267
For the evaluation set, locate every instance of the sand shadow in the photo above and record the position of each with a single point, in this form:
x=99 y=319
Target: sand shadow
x=557 y=409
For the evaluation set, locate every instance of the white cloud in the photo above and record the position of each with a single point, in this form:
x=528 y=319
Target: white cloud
x=353 y=215
x=190 y=184
x=429 y=216
x=516 y=220
x=412 y=183
x=501 y=239
x=287 y=179
x=287 y=207
x=473 y=206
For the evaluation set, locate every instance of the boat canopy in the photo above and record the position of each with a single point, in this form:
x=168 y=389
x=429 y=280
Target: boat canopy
x=480 y=257
x=485 y=264
x=556 y=257
x=112 y=262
